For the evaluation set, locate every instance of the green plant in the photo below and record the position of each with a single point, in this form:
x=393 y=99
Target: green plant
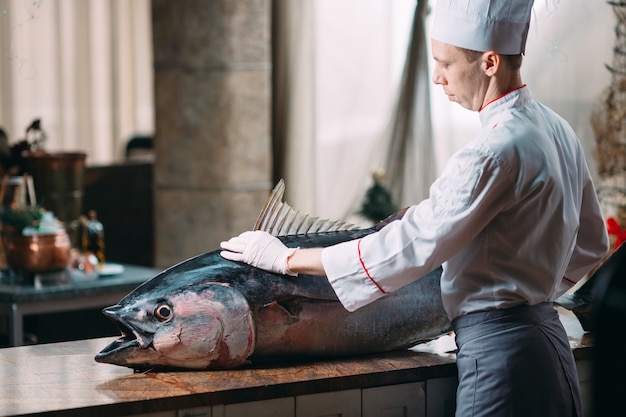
x=17 y=218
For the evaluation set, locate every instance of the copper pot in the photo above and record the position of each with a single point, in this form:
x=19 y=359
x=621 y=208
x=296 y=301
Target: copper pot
x=37 y=253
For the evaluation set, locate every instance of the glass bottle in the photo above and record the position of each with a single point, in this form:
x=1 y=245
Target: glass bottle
x=93 y=238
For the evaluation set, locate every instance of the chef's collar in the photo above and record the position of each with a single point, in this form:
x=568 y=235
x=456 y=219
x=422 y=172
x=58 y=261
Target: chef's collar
x=518 y=96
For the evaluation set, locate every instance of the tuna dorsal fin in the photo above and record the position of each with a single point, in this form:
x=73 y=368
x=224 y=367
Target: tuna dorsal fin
x=280 y=219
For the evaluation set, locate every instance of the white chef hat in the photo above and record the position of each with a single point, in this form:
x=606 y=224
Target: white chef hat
x=483 y=25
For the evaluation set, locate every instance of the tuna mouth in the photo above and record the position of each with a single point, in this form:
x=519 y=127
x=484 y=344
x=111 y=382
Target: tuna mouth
x=128 y=340
x=127 y=337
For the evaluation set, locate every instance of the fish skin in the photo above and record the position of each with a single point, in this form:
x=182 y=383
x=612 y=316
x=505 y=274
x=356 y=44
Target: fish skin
x=225 y=314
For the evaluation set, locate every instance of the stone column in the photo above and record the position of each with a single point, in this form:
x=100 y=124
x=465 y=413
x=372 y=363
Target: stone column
x=212 y=63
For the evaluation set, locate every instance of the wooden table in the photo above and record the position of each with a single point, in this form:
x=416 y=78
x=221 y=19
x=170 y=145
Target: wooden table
x=64 y=291
x=62 y=379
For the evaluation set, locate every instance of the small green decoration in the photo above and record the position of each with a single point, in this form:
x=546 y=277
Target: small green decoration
x=378 y=203
x=17 y=218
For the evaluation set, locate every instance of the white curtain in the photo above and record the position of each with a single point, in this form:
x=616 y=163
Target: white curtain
x=293 y=98
x=83 y=67
x=410 y=165
x=336 y=83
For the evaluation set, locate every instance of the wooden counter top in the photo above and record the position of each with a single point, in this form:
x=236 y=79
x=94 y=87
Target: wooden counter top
x=63 y=378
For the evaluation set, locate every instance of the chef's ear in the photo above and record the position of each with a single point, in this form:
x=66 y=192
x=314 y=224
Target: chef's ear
x=491 y=62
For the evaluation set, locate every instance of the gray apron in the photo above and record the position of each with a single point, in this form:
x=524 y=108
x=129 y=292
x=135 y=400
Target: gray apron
x=515 y=362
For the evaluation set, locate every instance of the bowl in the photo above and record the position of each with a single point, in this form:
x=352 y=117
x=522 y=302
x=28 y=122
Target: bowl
x=37 y=253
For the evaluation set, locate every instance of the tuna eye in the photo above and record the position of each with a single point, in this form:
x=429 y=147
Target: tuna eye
x=163 y=312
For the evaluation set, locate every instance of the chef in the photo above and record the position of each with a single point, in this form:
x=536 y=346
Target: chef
x=513 y=219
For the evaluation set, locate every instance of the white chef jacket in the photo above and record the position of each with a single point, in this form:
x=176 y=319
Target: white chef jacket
x=513 y=219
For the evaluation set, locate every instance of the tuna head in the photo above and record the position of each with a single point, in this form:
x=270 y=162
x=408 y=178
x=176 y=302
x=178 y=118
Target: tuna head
x=196 y=326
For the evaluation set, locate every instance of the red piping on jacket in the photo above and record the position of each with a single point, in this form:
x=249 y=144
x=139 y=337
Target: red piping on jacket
x=498 y=98
x=366 y=271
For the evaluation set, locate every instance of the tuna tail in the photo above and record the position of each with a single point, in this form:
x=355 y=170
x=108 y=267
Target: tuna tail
x=581 y=302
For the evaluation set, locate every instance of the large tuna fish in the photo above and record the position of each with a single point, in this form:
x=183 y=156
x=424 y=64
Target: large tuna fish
x=211 y=313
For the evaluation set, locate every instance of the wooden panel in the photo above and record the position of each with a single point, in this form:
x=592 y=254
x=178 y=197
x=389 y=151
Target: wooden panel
x=441 y=397
x=585 y=375
x=122 y=195
x=195 y=412
x=406 y=400
x=330 y=404
x=279 y=407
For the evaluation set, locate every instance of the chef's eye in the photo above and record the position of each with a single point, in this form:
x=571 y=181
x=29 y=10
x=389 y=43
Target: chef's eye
x=163 y=312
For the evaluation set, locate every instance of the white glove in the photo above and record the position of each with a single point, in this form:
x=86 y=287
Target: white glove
x=259 y=249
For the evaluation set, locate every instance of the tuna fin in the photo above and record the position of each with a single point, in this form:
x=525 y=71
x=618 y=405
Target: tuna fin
x=280 y=219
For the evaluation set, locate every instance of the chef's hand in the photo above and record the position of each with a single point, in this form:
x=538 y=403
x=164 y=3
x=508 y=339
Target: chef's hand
x=259 y=249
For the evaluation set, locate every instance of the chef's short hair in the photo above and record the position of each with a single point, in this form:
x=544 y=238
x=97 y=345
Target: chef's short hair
x=513 y=61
